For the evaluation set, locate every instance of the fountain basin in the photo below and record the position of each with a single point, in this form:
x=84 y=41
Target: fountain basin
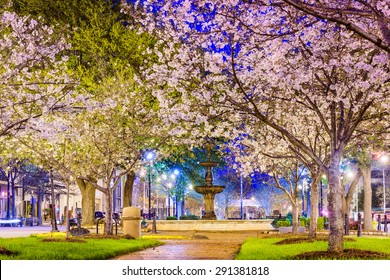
x=209 y=193
x=208 y=163
x=209 y=189
x=215 y=225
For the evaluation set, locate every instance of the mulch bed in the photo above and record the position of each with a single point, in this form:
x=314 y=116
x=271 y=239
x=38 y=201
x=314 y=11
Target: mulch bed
x=74 y=240
x=4 y=251
x=82 y=238
x=347 y=254
x=296 y=240
x=103 y=236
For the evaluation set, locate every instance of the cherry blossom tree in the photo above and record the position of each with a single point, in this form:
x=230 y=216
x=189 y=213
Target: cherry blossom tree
x=358 y=16
x=287 y=176
x=261 y=150
x=33 y=78
x=258 y=64
x=12 y=170
x=101 y=46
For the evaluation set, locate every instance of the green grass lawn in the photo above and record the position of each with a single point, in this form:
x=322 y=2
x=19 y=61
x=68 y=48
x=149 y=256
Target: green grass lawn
x=34 y=248
x=266 y=249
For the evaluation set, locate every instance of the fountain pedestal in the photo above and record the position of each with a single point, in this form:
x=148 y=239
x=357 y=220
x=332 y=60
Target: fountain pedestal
x=209 y=191
x=209 y=195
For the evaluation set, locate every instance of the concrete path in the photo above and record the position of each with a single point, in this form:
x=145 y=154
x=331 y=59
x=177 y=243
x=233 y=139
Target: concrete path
x=199 y=246
x=195 y=246
x=10 y=232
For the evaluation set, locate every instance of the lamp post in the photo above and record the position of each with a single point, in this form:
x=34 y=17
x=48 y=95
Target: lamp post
x=143 y=173
x=174 y=197
x=241 y=196
x=323 y=178
x=178 y=191
x=8 y=194
x=384 y=159
x=169 y=185
x=150 y=157
x=32 y=208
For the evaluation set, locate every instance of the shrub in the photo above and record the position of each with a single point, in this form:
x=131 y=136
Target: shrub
x=320 y=223
x=171 y=218
x=275 y=221
x=285 y=223
x=303 y=222
x=289 y=217
x=189 y=217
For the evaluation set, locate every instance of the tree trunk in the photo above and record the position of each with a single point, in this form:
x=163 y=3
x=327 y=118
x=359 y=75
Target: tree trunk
x=108 y=224
x=335 y=201
x=9 y=193
x=39 y=207
x=87 y=201
x=54 y=227
x=314 y=206
x=351 y=190
x=128 y=190
x=367 y=222
x=226 y=207
x=13 y=201
x=182 y=208
x=295 y=222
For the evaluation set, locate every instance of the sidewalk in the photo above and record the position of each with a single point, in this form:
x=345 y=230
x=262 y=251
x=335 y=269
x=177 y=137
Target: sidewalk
x=9 y=232
x=199 y=246
x=195 y=246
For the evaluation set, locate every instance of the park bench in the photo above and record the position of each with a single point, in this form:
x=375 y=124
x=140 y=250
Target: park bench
x=11 y=222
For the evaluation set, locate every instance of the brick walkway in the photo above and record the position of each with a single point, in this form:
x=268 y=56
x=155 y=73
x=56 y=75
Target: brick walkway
x=200 y=246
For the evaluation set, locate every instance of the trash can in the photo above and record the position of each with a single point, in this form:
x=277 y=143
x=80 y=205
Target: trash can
x=131 y=218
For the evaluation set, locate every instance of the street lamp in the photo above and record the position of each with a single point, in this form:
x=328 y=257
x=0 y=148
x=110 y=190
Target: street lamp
x=241 y=196
x=384 y=159
x=142 y=174
x=178 y=192
x=174 y=202
x=169 y=185
x=323 y=178
x=150 y=156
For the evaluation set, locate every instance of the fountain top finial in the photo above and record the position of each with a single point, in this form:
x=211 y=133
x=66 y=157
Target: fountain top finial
x=208 y=148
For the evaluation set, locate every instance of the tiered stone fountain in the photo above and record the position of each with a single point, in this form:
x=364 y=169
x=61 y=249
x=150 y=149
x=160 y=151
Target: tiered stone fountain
x=209 y=191
x=209 y=220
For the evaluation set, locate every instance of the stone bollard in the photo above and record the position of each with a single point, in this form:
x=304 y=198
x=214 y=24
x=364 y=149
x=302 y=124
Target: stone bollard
x=131 y=217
